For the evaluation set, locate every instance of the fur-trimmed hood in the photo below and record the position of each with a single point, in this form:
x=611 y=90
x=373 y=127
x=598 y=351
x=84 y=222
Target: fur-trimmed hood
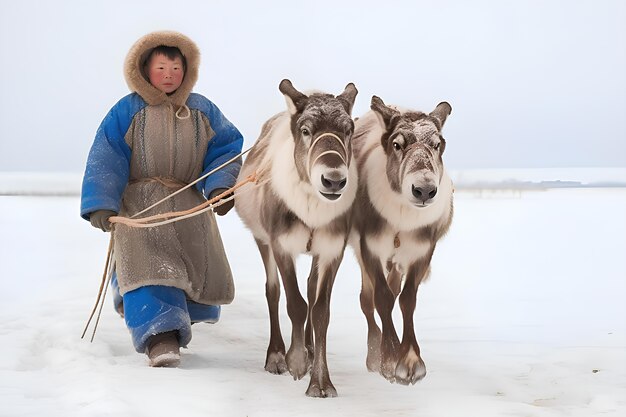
x=137 y=80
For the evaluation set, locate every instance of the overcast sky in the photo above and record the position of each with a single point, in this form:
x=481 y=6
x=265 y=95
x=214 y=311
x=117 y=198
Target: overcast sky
x=531 y=83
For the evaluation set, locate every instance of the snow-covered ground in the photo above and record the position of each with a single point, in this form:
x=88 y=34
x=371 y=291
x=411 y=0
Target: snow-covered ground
x=524 y=315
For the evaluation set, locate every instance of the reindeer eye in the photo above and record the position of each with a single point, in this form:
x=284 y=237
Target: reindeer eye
x=437 y=146
x=398 y=143
x=305 y=132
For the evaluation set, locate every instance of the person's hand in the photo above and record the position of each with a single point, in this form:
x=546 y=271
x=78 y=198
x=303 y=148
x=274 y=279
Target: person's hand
x=224 y=207
x=100 y=219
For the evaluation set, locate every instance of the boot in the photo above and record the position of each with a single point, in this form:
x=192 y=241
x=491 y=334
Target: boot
x=163 y=350
x=120 y=309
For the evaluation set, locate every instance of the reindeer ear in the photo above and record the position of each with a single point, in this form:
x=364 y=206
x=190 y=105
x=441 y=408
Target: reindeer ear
x=295 y=99
x=441 y=112
x=347 y=97
x=384 y=112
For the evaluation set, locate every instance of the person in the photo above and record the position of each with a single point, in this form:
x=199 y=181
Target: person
x=152 y=143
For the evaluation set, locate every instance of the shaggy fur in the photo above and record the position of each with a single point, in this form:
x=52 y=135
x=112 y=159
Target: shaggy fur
x=138 y=81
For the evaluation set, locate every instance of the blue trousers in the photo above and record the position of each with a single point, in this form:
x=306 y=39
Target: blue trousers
x=157 y=309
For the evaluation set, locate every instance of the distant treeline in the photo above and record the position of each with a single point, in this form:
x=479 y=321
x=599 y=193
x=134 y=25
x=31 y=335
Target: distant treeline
x=41 y=185
x=536 y=185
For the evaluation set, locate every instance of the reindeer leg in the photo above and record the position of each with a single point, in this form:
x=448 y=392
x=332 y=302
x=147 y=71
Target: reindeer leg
x=320 y=384
x=394 y=280
x=311 y=293
x=410 y=367
x=275 y=358
x=367 y=306
x=384 y=301
x=297 y=358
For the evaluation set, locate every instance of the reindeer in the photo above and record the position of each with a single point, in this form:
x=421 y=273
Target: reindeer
x=403 y=207
x=301 y=204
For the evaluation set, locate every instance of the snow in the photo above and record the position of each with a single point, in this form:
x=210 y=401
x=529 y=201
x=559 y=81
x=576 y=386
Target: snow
x=523 y=315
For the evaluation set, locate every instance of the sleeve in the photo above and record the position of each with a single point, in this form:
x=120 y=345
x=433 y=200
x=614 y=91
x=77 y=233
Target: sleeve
x=225 y=145
x=108 y=163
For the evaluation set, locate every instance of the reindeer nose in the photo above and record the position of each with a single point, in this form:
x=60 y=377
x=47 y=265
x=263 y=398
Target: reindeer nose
x=425 y=192
x=334 y=185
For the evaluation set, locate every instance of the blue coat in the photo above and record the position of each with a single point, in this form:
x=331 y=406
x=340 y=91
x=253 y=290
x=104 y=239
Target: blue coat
x=143 y=153
x=108 y=164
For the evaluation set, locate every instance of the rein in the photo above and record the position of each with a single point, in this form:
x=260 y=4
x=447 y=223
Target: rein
x=231 y=160
x=174 y=216
x=337 y=138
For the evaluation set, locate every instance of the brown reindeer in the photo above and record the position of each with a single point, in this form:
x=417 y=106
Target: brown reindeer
x=403 y=207
x=302 y=205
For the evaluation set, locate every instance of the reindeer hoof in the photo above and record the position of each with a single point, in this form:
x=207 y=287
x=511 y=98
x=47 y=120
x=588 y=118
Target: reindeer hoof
x=373 y=359
x=297 y=363
x=373 y=351
x=410 y=369
x=373 y=365
x=388 y=370
x=316 y=391
x=389 y=356
x=275 y=363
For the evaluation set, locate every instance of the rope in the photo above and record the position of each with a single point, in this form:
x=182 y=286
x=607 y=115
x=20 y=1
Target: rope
x=104 y=294
x=179 y=111
x=233 y=159
x=332 y=135
x=174 y=216
x=107 y=272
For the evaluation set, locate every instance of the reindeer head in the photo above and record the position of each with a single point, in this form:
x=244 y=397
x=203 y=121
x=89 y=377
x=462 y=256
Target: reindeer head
x=414 y=145
x=322 y=127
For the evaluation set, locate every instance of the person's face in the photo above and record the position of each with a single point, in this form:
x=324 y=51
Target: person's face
x=164 y=73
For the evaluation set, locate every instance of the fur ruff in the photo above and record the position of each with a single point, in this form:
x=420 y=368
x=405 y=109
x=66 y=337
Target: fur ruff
x=137 y=80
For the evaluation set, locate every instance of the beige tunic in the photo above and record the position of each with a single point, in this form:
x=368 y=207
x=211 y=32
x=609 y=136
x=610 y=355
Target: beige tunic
x=187 y=254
